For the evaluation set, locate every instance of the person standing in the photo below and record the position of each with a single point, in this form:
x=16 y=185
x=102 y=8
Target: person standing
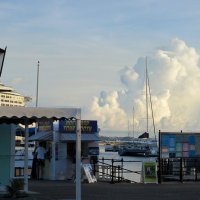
x=40 y=151
x=34 y=165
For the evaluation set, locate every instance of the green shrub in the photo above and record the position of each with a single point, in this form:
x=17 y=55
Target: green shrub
x=15 y=186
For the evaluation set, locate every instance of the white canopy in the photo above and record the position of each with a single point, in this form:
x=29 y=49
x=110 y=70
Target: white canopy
x=20 y=114
x=28 y=115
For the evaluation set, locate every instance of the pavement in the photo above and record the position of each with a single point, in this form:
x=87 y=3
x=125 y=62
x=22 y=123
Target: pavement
x=65 y=190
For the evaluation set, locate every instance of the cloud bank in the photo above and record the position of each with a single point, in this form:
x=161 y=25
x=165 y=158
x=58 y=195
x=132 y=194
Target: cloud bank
x=174 y=74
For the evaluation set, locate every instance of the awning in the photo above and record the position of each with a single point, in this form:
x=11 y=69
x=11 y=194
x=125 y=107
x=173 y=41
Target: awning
x=84 y=137
x=18 y=115
x=41 y=136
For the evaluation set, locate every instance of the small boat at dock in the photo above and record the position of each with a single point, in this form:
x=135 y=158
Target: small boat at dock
x=111 y=148
x=139 y=148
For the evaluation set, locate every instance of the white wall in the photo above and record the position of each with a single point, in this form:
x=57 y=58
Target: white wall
x=61 y=163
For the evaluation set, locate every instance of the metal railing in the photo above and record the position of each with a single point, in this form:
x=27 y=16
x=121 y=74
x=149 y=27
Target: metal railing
x=179 y=169
x=113 y=170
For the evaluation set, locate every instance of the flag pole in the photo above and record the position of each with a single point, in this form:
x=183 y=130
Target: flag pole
x=38 y=69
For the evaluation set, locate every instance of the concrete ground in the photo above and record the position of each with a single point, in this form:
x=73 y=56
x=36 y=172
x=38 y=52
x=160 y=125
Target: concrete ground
x=63 y=190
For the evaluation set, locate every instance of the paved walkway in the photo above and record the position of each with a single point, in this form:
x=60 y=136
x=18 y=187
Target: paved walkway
x=62 y=190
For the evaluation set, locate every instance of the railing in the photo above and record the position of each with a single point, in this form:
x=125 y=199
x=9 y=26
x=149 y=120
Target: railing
x=179 y=169
x=113 y=170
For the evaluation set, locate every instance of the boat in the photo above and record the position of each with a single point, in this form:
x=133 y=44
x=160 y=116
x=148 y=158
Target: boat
x=139 y=148
x=111 y=148
x=133 y=150
x=142 y=146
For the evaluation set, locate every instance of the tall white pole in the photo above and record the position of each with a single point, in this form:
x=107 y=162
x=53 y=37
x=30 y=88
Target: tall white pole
x=26 y=158
x=38 y=69
x=78 y=159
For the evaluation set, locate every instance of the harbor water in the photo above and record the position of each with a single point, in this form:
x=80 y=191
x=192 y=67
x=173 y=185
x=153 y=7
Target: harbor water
x=130 y=163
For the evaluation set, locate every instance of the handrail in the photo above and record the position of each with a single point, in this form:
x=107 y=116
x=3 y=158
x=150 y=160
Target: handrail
x=114 y=173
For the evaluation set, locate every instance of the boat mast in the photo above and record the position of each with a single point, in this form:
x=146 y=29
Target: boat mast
x=128 y=129
x=151 y=107
x=149 y=90
x=133 y=122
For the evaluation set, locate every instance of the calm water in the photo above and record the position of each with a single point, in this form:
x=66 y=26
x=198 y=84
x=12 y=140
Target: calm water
x=133 y=166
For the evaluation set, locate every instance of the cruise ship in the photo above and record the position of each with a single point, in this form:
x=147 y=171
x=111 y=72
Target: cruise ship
x=8 y=97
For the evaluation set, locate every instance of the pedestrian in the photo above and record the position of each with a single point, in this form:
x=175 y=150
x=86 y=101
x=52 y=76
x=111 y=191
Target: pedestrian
x=40 y=151
x=34 y=165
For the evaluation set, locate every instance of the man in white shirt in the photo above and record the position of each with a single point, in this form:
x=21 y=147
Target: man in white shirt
x=40 y=160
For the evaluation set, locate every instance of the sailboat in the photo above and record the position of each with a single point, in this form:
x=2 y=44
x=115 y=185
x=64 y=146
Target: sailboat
x=143 y=146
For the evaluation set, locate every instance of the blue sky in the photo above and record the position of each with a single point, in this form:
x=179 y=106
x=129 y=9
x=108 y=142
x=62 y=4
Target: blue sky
x=91 y=54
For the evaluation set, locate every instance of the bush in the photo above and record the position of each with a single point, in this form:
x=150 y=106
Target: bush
x=15 y=186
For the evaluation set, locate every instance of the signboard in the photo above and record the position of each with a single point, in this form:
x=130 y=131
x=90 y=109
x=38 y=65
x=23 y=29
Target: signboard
x=45 y=125
x=87 y=126
x=150 y=172
x=89 y=173
x=176 y=145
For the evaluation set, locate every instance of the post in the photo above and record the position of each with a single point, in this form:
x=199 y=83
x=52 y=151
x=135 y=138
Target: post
x=122 y=168
x=159 y=159
x=118 y=168
x=112 y=172
x=26 y=158
x=103 y=169
x=196 y=168
x=78 y=159
x=181 y=170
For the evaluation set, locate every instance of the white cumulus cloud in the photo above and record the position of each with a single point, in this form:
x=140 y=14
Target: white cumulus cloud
x=174 y=74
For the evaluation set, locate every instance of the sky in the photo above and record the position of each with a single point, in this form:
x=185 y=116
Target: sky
x=93 y=55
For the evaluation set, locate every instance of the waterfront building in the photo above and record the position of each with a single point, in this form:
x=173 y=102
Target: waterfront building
x=59 y=140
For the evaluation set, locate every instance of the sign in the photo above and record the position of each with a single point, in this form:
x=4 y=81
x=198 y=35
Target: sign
x=150 y=172
x=179 y=144
x=89 y=173
x=87 y=126
x=45 y=125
